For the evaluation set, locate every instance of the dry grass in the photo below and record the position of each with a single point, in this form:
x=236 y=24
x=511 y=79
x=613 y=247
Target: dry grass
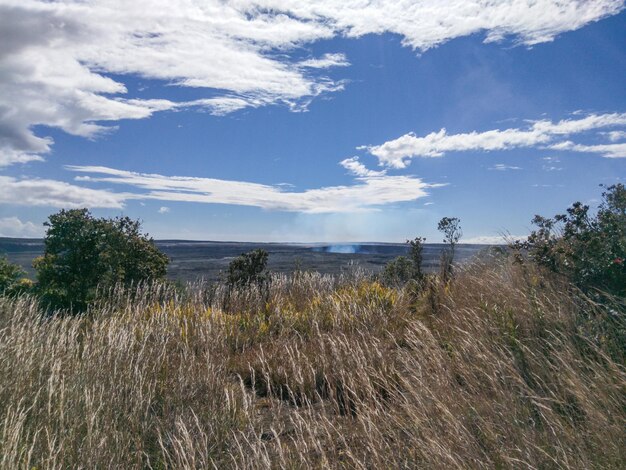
x=503 y=368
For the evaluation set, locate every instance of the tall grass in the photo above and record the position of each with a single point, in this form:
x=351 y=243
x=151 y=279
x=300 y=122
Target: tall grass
x=502 y=368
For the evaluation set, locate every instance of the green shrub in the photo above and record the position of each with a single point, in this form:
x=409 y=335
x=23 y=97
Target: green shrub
x=11 y=276
x=83 y=253
x=398 y=271
x=248 y=268
x=402 y=269
x=589 y=249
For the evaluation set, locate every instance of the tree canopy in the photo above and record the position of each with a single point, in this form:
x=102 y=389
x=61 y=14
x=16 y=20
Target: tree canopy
x=83 y=253
x=451 y=229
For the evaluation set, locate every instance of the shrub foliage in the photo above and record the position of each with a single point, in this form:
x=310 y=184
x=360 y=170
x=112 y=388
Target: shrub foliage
x=11 y=276
x=589 y=249
x=402 y=269
x=248 y=268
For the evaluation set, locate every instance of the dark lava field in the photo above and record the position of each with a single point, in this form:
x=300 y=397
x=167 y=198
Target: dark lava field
x=194 y=260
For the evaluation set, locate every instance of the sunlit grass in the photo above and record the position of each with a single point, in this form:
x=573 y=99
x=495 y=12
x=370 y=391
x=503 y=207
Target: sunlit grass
x=502 y=368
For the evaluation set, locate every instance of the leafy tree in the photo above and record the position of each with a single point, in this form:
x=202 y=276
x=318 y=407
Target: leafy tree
x=248 y=268
x=83 y=253
x=416 y=247
x=591 y=250
x=451 y=229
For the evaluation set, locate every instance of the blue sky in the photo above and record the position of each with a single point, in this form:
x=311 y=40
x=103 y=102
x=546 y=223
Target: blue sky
x=290 y=121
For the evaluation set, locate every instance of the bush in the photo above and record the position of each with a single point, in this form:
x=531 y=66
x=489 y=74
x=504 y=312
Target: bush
x=83 y=253
x=402 y=269
x=397 y=271
x=11 y=276
x=590 y=250
x=248 y=268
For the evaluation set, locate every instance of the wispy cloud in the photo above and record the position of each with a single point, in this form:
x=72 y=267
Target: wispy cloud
x=606 y=150
x=57 y=58
x=368 y=193
x=326 y=61
x=503 y=167
x=398 y=153
x=53 y=193
x=616 y=136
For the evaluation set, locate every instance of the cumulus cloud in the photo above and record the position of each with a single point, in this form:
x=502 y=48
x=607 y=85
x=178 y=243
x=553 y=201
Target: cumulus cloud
x=57 y=58
x=14 y=227
x=163 y=210
x=368 y=193
x=397 y=153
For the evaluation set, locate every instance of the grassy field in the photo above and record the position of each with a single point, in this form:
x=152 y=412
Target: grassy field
x=504 y=367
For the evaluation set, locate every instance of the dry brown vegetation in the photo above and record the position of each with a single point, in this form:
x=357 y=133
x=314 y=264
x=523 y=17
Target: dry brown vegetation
x=503 y=368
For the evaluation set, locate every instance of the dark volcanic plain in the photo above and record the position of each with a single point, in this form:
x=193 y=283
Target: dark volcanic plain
x=194 y=260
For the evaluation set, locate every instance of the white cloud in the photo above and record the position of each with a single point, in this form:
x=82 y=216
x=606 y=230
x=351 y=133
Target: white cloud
x=615 y=136
x=398 y=152
x=606 y=150
x=163 y=210
x=326 y=61
x=14 y=227
x=550 y=166
x=368 y=193
x=57 y=58
x=354 y=166
x=52 y=193
x=428 y=23
x=503 y=167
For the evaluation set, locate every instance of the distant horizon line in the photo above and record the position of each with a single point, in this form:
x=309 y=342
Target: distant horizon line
x=315 y=243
